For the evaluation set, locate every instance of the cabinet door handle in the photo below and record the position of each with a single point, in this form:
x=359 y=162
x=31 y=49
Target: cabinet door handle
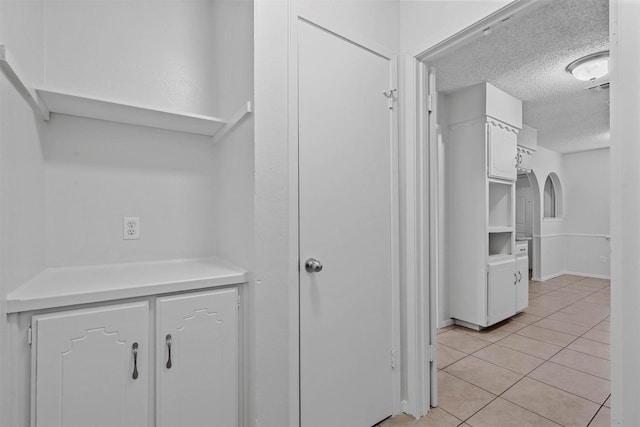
x=515 y=277
x=168 y=338
x=134 y=350
x=520 y=277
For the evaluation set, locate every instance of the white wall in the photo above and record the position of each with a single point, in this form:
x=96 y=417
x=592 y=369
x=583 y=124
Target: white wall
x=164 y=55
x=98 y=172
x=233 y=157
x=548 y=240
x=233 y=160
x=425 y=23
x=156 y=53
x=586 y=212
x=22 y=216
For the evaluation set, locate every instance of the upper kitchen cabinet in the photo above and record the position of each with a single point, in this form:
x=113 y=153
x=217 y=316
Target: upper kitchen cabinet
x=527 y=145
x=501 y=113
x=485 y=101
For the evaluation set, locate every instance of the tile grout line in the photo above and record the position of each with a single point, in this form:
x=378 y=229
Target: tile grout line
x=544 y=359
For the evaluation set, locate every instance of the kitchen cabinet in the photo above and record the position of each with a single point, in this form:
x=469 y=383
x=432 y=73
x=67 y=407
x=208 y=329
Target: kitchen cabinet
x=91 y=367
x=503 y=157
x=501 y=285
x=197 y=364
x=94 y=366
x=522 y=271
x=525 y=156
x=481 y=169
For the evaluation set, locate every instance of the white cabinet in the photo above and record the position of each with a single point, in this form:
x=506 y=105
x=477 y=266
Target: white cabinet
x=525 y=157
x=93 y=366
x=501 y=286
x=522 y=286
x=481 y=169
x=503 y=158
x=197 y=365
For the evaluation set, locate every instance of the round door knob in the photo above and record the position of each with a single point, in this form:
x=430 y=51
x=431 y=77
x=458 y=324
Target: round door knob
x=312 y=265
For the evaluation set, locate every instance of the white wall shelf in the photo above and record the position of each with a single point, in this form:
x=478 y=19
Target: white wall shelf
x=93 y=108
x=11 y=70
x=64 y=286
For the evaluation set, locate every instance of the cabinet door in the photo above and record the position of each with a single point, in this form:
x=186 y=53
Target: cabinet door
x=501 y=286
x=502 y=145
x=197 y=359
x=522 y=287
x=84 y=363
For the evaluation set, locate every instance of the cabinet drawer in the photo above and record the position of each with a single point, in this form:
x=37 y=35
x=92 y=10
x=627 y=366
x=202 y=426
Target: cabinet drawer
x=522 y=248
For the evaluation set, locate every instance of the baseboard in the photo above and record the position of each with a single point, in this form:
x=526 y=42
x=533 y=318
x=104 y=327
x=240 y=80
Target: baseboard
x=573 y=273
x=445 y=323
x=595 y=276
x=549 y=276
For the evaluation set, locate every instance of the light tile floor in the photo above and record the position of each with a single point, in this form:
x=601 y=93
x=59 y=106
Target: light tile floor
x=548 y=366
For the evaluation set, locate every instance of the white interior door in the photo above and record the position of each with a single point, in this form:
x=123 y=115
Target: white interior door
x=346 y=223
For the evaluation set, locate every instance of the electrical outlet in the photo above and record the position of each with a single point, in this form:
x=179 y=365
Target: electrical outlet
x=131 y=228
x=603 y=259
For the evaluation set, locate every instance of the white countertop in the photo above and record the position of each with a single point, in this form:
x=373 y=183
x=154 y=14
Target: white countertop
x=63 y=286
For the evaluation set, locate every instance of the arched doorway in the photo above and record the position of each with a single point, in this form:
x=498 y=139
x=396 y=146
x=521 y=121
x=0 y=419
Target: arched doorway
x=528 y=217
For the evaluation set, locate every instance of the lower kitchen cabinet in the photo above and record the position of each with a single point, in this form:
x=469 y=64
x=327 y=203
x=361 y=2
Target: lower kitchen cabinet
x=522 y=287
x=501 y=285
x=92 y=366
x=197 y=365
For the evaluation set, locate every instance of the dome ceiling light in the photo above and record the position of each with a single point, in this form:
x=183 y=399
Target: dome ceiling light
x=590 y=67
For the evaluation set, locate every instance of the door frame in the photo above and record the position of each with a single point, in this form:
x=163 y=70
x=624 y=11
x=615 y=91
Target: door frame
x=422 y=161
x=298 y=13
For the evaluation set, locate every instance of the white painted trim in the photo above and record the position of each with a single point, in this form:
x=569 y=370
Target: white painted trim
x=396 y=328
x=594 y=276
x=573 y=273
x=343 y=32
x=296 y=16
x=294 y=224
x=475 y=30
x=552 y=219
x=549 y=276
x=410 y=247
x=599 y=236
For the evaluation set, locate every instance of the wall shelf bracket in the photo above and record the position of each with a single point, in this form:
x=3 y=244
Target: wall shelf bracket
x=11 y=70
x=233 y=122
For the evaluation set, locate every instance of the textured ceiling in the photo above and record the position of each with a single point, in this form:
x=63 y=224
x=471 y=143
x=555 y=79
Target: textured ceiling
x=526 y=57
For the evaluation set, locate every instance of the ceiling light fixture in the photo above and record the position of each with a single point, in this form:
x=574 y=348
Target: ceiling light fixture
x=590 y=67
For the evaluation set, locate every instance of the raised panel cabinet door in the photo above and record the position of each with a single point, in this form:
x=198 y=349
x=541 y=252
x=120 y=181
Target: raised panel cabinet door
x=502 y=146
x=91 y=367
x=522 y=287
x=197 y=359
x=502 y=280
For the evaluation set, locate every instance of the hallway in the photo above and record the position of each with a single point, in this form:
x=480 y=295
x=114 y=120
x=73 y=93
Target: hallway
x=548 y=366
